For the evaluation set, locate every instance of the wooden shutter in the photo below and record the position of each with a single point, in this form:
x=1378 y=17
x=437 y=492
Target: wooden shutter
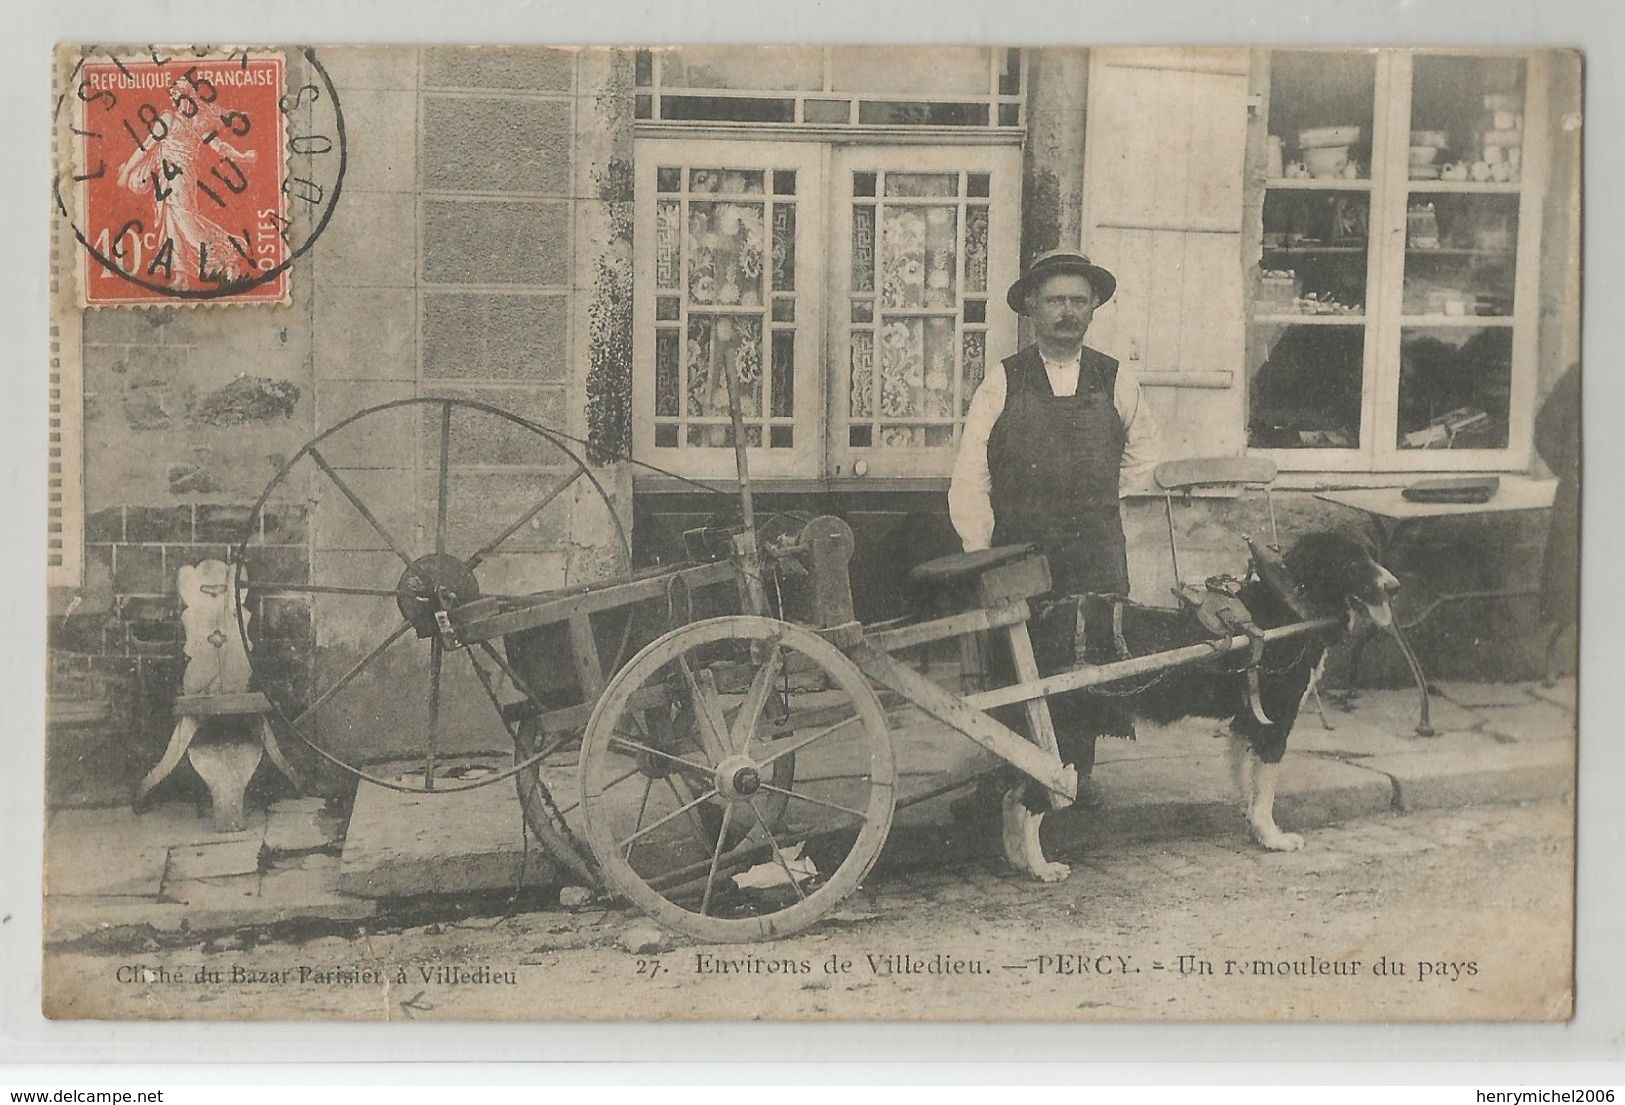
x=1163 y=199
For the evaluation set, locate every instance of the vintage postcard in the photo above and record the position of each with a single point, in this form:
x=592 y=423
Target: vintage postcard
x=813 y=533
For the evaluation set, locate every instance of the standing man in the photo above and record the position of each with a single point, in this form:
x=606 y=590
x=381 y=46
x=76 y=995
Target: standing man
x=1054 y=436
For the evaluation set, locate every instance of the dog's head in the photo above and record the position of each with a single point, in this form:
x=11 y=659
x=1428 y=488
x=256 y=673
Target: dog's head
x=1338 y=573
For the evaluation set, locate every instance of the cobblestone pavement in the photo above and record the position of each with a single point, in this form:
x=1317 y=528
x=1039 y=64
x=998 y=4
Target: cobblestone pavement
x=1447 y=914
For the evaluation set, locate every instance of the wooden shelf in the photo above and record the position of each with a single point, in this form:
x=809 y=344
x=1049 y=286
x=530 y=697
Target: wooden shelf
x=1411 y=322
x=1310 y=320
x=1458 y=251
x=1319 y=184
x=1315 y=249
x=1497 y=187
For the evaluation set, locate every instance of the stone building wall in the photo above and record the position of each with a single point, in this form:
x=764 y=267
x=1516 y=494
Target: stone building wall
x=478 y=250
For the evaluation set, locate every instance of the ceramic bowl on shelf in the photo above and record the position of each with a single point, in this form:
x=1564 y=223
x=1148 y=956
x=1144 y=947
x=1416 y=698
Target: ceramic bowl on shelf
x=1327 y=137
x=1429 y=138
x=1326 y=161
x=1424 y=172
x=1423 y=155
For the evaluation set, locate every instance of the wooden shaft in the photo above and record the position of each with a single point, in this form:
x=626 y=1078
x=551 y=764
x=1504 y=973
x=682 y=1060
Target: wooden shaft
x=1094 y=675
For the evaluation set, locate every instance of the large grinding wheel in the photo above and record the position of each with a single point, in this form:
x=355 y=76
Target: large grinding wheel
x=683 y=796
x=418 y=506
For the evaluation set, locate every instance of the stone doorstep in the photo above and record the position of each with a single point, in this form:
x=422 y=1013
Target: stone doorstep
x=404 y=845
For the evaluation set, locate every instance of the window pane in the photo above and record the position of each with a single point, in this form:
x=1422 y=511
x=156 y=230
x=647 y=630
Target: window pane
x=1460 y=254
x=1455 y=387
x=733 y=181
x=1328 y=92
x=725 y=253
x=889 y=69
x=668 y=308
x=918 y=256
x=922 y=184
x=767 y=68
x=668 y=245
x=975 y=366
x=701 y=393
x=863 y=248
x=668 y=370
x=1303 y=389
x=716 y=344
x=976 y=249
x=827 y=111
x=1314 y=257
x=910 y=113
x=728 y=109
x=1469 y=112
x=784 y=374
x=863 y=371
x=784 y=247
x=902 y=367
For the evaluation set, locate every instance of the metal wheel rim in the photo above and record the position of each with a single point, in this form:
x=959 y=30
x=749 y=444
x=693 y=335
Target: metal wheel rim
x=243 y=586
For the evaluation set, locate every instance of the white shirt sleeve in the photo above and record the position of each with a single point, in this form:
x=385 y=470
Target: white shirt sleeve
x=970 y=507
x=1140 y=447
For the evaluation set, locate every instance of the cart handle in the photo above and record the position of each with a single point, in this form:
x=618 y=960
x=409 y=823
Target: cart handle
x=1094 y=675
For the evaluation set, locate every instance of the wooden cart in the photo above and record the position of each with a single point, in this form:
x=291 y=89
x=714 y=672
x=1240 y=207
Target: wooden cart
x=707 y=739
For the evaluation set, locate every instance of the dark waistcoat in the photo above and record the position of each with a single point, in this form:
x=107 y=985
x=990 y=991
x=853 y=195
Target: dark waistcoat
x=1054 y=462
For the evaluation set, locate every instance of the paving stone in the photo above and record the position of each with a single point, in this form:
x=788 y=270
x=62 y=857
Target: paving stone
x=228 y=891
x=1505 y=773
x=1473 y=695
x=406 y=845
x=1565 y=692
x=283 y=896
x=103 y=870
x=1194 y=796
x=1532 y=721
x=1354 y=739
x=1400 y=709
x=205 y=861
x=298 y=826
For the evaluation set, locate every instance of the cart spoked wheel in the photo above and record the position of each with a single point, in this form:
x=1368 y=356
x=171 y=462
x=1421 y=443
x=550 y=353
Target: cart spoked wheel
x=684 y=796
x=416 y=508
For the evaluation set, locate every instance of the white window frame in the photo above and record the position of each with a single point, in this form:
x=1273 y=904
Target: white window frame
x=1384 y=323
x=821 y=455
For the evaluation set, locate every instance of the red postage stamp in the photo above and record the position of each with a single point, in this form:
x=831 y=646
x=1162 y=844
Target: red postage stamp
x=181 y=175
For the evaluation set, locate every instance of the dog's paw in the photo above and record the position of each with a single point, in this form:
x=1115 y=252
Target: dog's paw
x=1277 y=841
x=1051 y=872
x=1022 y=849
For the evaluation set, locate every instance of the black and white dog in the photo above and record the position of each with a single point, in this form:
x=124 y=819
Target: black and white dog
x=1336 y=576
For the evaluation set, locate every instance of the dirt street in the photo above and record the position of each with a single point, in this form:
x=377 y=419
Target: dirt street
x=1460 y=914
